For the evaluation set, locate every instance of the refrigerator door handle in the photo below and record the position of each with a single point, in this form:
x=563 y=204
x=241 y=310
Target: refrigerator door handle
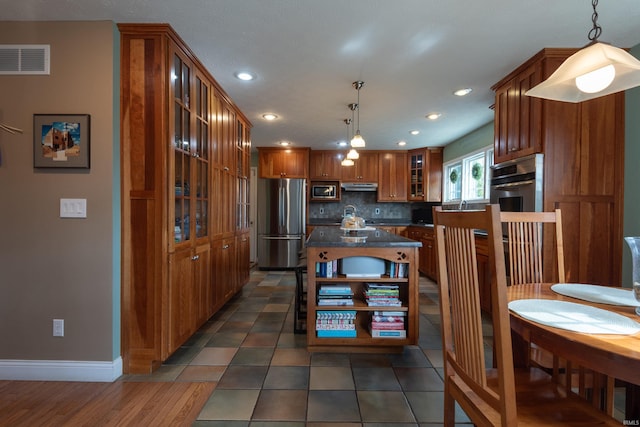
x=281 y=238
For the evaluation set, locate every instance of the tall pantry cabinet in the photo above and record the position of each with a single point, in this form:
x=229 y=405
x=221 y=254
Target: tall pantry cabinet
x=583 y=147
x=184 y=151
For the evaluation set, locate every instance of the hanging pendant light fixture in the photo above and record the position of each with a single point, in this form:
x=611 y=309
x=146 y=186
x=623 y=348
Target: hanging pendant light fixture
x=347 y=161
x=598 y=69
x=357 y=141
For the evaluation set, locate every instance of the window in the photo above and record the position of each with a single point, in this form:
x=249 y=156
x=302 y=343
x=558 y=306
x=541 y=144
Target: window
x=467 y=178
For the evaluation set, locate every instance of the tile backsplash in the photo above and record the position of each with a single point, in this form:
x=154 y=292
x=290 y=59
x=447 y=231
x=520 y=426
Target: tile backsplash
x=366 y=206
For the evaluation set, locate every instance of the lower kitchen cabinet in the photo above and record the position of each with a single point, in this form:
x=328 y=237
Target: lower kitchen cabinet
x=224 y=269
x=428 y=264
x=189 y=293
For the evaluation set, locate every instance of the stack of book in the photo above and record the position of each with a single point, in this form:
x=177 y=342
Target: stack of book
x=382 y=295
x=388 y=324
x=327 y=269
x=396 y=269
x=336 y=324
x=335 y=294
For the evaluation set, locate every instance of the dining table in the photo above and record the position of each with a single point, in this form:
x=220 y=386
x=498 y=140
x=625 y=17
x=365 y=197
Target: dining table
x=614 y=353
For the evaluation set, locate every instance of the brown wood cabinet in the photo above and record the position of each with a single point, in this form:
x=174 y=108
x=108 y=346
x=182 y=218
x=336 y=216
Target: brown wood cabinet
x=583 y=146
x=178 y=174
x=518 y=130
x=425 y=175
x=365 y=168
x=325 y=165
x=283 y=162
x=392 y=177
x=427 y=253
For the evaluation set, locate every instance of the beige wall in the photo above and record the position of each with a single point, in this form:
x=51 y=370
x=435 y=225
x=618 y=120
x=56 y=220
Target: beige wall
x=52 y=267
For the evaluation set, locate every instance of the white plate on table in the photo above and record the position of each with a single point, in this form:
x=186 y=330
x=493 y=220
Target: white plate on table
x=597 y=293
x=574 y=317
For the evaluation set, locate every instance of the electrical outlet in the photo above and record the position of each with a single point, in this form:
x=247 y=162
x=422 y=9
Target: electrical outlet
x=377 y=211
x=58 y=327
x=321 y=211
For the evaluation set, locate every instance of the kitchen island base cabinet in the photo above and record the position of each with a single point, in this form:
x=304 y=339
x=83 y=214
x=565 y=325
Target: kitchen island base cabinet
x=361 y=339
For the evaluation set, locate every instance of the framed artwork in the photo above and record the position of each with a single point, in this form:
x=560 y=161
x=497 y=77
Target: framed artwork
x=61 y=140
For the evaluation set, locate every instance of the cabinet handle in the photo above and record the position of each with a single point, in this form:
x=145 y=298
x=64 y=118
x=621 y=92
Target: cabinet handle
x=194 y=154
x=226 y=169
x=195 y=257
x=225 y=247
x=513 y=149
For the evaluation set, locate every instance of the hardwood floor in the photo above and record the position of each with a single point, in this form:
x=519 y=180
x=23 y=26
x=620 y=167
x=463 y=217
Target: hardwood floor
x=40 y=403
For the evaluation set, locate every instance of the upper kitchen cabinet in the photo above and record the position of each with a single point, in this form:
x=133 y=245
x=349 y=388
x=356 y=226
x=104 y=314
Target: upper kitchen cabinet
x=425 y=175
x=518 y=125
x=392 y=176
x=365 y=169
x=325 y=165
x=283 y=162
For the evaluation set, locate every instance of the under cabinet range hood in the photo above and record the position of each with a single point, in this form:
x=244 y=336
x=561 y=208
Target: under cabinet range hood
x=359 y=186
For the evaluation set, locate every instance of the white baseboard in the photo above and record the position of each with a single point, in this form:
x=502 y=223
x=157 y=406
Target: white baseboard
x=60 y=370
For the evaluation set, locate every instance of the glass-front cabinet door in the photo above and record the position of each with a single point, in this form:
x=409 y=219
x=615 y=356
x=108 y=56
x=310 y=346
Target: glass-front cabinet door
x=416 y=175
x=191 y=130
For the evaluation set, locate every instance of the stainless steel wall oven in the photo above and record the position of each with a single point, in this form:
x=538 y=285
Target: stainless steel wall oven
x=517 y=185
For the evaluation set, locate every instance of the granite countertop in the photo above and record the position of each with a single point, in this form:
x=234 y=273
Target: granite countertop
x=382 y=222
x=378 y=221
x=332 y=236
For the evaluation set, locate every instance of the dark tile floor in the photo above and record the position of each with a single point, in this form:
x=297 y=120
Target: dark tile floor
x=266 y=377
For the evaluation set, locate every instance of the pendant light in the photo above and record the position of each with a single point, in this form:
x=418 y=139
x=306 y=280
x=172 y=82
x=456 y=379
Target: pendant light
x=347 y=161
x=597 y=70
x=358 y=141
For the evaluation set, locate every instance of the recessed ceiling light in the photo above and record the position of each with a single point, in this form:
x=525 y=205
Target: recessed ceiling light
x=414 y=132
x=463 y=92
x=269 y=116
x=284 y=143
x=402 y=143
x=433 y=116
x=244 y=75
x=343 y=144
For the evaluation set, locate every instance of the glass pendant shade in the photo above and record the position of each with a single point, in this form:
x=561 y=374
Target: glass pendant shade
x=597 y=70
x=347 y=162
x=353 y=154
x=357 y=141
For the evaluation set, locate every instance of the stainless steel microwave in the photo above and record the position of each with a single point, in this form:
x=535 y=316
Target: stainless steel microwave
x=325 y=191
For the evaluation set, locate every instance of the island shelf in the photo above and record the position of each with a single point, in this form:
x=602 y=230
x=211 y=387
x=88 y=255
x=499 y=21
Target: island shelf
x=325 y=245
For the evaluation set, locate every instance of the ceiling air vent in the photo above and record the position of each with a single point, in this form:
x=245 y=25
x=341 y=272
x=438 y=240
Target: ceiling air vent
x=24 y=59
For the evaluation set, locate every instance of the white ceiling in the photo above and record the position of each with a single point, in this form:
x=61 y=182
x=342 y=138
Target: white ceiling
x=411 y=54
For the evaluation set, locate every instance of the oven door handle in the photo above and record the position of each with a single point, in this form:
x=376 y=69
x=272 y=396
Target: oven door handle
x=514 y=184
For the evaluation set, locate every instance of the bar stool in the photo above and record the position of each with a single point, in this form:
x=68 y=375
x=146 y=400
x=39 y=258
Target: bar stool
x=300 y=312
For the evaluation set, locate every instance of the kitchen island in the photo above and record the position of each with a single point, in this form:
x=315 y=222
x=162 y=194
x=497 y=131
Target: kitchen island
x=362 y=290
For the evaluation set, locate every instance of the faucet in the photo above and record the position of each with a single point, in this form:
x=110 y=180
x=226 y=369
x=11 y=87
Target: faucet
x=463 y=204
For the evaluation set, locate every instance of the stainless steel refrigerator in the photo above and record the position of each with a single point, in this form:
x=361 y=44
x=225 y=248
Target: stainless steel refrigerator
x=281 y=222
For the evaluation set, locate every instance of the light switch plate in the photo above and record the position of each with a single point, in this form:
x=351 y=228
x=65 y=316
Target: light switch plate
x=73 y=208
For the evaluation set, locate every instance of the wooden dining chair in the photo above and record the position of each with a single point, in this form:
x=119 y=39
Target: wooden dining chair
x=529 y=261
x=525 y=235
x=486 y=394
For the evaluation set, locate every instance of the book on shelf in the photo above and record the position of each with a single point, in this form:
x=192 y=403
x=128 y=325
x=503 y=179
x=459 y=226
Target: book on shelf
x=396 y=269
x=384 y=333
x=327 y=269
x=337 y=314
x=387 y=325
x=348 y=301
x=335 y=326
x=390 y=317
x=335 y=289
x=336 y=333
